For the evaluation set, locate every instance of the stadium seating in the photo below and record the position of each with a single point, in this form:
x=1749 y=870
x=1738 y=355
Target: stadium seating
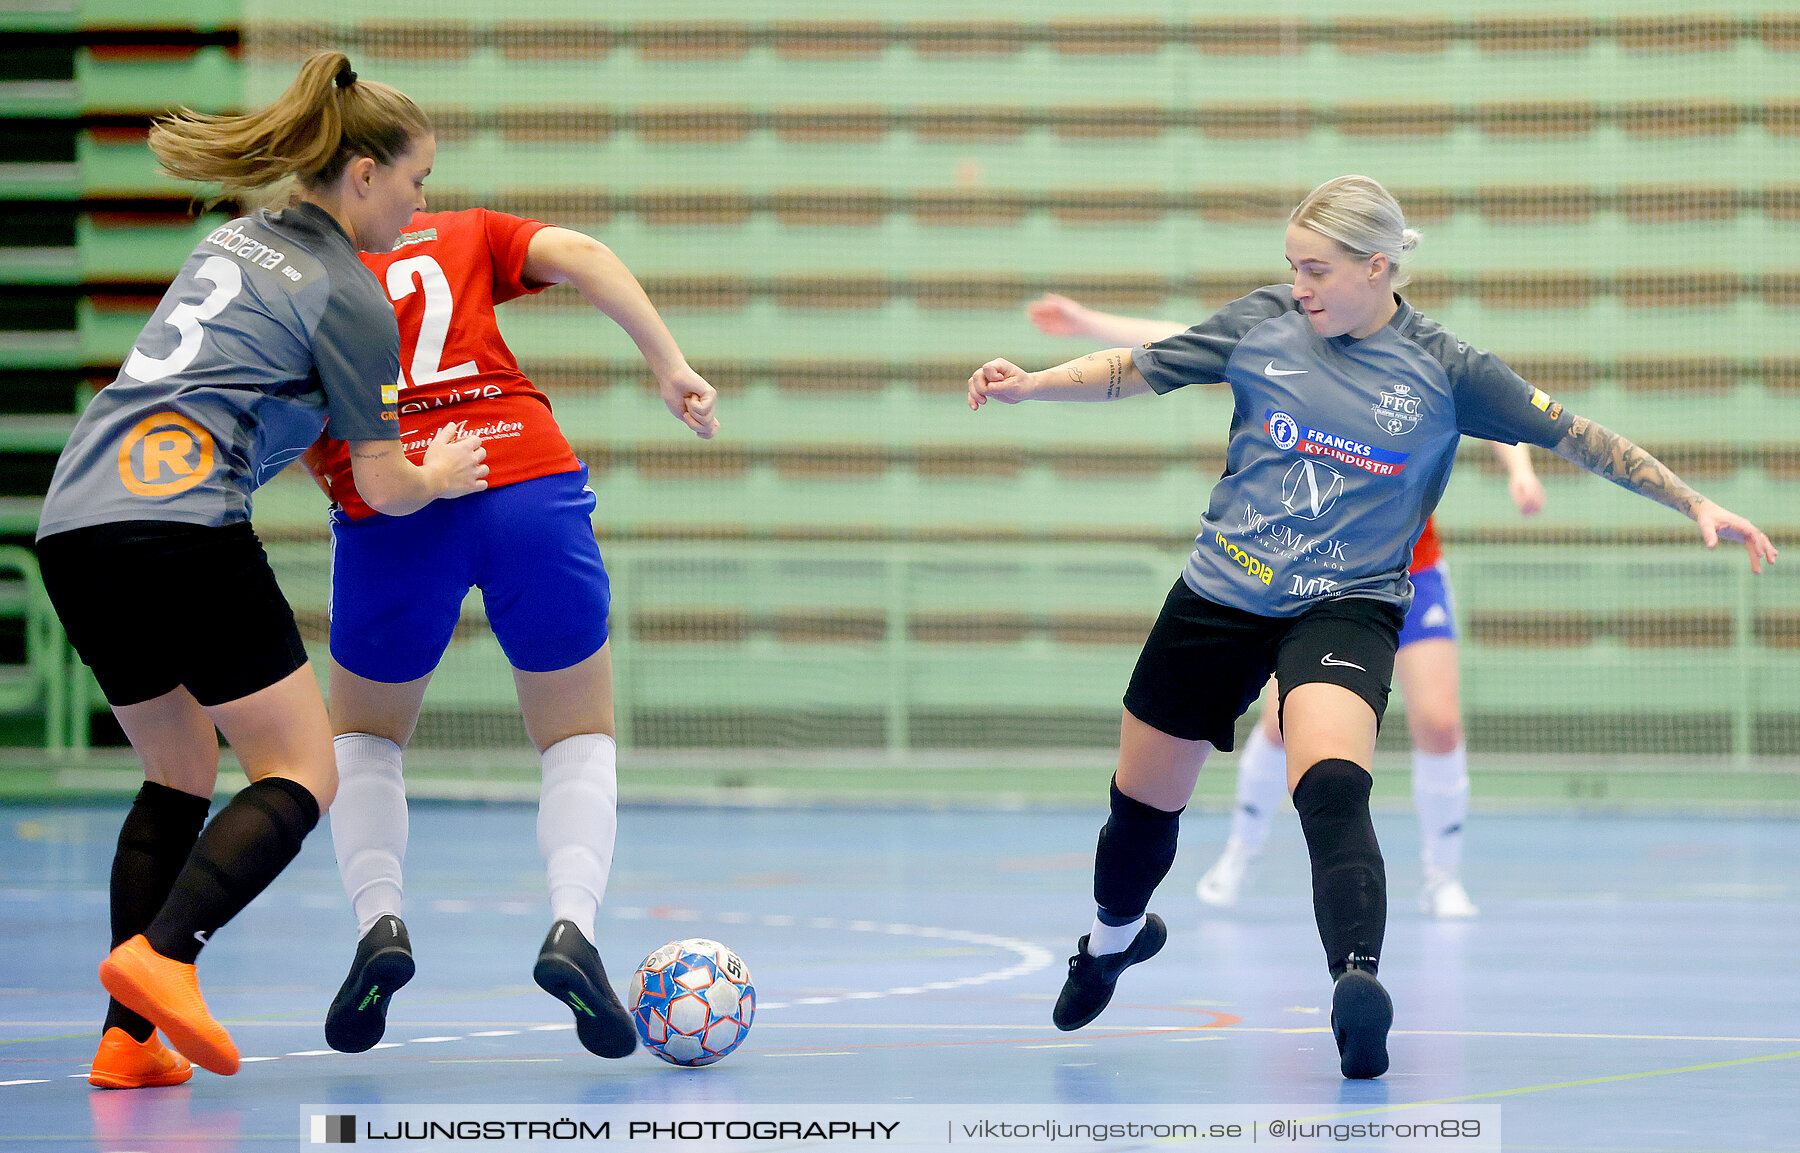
x=840 y=225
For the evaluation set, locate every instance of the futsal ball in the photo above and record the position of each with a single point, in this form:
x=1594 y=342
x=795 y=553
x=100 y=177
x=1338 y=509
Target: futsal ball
x=692 y=1001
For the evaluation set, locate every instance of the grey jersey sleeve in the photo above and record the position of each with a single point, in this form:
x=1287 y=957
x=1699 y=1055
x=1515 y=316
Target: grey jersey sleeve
x=1199 y=355
x=356 y=350
x=1492 y=401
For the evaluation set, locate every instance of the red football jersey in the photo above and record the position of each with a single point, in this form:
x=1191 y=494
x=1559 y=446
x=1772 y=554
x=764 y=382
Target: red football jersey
x=444 y=277
x=1425 y=553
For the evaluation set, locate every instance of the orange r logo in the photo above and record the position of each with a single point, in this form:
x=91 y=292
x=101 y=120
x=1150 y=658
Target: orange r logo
x=165 y=455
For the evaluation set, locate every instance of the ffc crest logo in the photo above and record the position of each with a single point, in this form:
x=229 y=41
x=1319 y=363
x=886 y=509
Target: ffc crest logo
x=1399 y=411
x=329 y=1129
x=165 y=455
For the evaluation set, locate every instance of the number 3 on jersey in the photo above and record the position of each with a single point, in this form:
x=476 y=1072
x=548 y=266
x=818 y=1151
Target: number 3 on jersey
x=187 y=319
x=434 y=328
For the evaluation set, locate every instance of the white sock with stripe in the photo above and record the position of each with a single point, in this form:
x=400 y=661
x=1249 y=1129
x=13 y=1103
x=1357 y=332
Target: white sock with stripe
x=1440 y=784
x=578 y=821
x=369 y=825
x=1261 y=789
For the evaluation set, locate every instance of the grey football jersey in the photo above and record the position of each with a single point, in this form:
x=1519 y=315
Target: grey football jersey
x=1339 y=448
x=272 y=326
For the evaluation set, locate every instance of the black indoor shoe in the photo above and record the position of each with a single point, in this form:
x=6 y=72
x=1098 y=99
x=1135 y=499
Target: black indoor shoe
x=569 y=969
x=1091 y=979
x=358 y=1014
x=1361 y=1013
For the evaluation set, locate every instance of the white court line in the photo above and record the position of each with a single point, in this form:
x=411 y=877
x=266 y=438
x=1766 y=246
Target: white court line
x=1030 y=959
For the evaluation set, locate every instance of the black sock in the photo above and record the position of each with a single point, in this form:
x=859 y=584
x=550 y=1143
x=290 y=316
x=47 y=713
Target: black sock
x=1137 y=846
x=244 y=848
x=1349 y=879
x=154 y=843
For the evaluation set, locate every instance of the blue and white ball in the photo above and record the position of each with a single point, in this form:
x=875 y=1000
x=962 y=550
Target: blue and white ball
x=692 y=1001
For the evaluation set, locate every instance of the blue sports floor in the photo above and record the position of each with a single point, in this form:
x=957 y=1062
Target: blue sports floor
x=1631 y=983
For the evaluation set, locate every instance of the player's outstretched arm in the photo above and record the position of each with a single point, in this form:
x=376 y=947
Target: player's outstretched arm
x=1522 y=483
x=1605 y=453
x=556 y=255
x=1105 y=375
x=392 y=485
x=1059 y=316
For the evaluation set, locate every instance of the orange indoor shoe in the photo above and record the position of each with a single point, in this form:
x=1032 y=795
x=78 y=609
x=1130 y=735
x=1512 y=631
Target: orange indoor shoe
x=168 y=994
x=122 y=1063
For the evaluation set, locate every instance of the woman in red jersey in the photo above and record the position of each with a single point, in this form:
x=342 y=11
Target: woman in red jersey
x=528 y=544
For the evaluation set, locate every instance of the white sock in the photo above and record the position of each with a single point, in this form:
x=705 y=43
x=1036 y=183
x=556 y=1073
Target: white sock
x=1261 y=786
x=1104 y=939
x=369 y=825
x=578 y=819
x=1440 y=784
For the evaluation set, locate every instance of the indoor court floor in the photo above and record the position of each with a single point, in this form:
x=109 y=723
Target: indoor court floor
x=1629 y=985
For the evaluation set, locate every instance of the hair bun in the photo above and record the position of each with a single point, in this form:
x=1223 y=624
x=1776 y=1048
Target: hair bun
x=345 y=77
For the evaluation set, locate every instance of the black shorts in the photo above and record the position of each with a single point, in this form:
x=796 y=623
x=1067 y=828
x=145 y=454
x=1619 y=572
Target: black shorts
x=1205 y=663
x=151 y=605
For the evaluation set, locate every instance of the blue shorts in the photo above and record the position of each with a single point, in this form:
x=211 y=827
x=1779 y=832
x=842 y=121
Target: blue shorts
x=398 y=582
x=1433 y=612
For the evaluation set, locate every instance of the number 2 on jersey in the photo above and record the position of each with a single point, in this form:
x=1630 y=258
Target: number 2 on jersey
x=434 y=328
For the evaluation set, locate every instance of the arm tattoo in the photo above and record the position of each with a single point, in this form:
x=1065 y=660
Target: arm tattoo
x=1605 y=453
x=1115 y=378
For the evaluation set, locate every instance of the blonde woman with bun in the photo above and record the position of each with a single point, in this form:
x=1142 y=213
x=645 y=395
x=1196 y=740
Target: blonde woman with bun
x=1349 y=406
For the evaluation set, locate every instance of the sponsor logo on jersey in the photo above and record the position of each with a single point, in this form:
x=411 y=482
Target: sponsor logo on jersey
x=1400 y=410
x=1291 y=544
x=454 y=396
x=1288 y=434
x=1257 y=569
x=419 y=237
x=1311 y=586
x=1310 y=489
x=1540 y=399
x=165 y=455
x=1284 y=430
x=246 y=247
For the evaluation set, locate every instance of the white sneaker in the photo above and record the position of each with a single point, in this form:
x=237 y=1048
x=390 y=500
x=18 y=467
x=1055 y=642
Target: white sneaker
x=1219 y=885
x=1443 y=896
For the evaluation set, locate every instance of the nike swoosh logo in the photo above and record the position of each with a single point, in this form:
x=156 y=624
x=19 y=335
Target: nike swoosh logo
x=200 y=935
x=1270 y=370
x=1326 y=660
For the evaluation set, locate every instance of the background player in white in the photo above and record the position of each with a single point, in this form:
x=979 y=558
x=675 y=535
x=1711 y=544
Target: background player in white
x=272 y=328
x=398 y=587
x=1349 y=406
x=1425 y=666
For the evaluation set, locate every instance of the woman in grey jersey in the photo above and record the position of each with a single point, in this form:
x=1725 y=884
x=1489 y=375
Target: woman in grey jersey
x=272 y=328
x=1348 y=409
x=1426 y=666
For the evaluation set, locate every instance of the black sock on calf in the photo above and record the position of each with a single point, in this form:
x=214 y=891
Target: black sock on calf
x=1136 y=849
x=243 y=849
x=1349 y=879
x=154 y=843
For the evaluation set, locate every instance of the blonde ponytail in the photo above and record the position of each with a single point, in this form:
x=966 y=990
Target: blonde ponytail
x=325 y=119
